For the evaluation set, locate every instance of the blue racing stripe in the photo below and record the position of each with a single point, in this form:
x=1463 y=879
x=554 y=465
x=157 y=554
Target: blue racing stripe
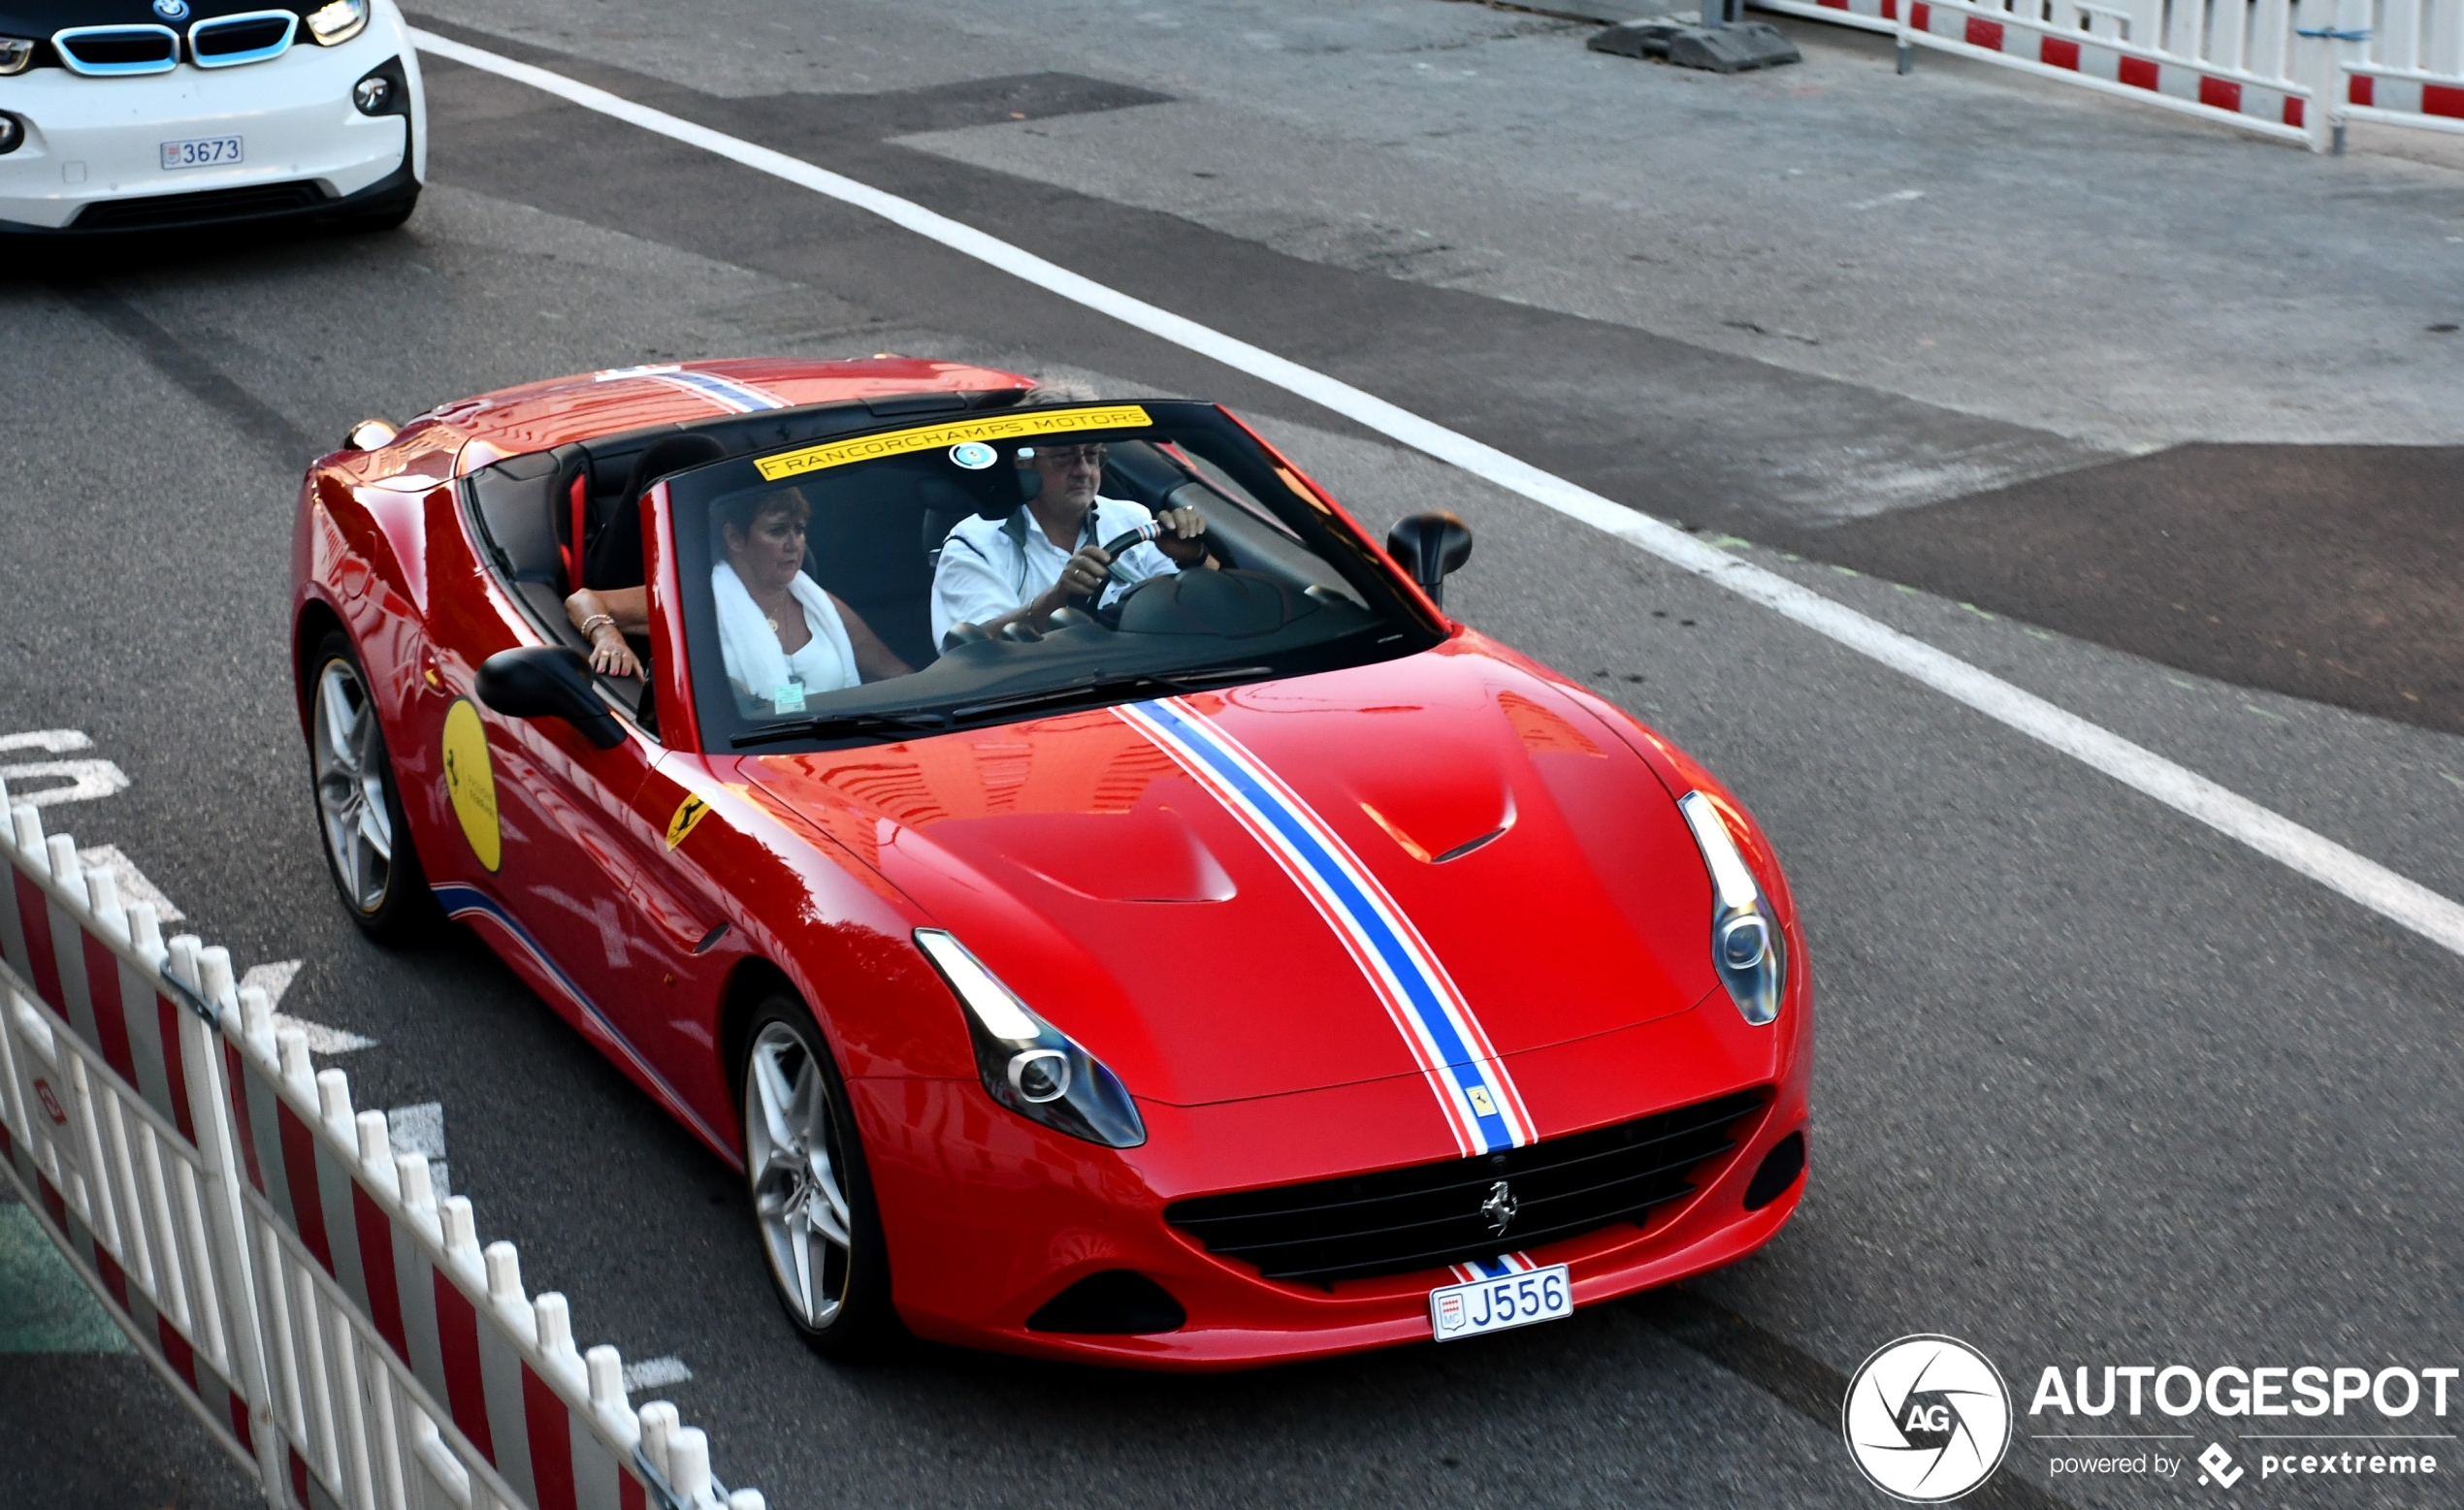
x=1406 y=970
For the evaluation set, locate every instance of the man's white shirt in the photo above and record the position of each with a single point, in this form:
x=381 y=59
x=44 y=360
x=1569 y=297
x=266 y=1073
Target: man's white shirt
x=990 y=567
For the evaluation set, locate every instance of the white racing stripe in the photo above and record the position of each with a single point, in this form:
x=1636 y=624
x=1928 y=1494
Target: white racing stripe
x=2332 y=866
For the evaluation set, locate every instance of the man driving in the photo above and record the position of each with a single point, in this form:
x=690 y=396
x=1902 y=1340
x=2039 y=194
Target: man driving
x=997 y=571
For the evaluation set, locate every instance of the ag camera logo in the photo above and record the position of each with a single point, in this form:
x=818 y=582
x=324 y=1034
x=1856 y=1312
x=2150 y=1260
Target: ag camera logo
x=1927 y=1419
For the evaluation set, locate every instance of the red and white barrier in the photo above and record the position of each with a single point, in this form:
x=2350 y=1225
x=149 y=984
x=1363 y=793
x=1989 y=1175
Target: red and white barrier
x=2259 y=65
x=340 y=1330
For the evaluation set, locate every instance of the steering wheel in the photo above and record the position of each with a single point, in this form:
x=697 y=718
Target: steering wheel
x=1126 y=540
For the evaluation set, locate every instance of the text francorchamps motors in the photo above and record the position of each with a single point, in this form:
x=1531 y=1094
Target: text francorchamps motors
x=2361 y=1401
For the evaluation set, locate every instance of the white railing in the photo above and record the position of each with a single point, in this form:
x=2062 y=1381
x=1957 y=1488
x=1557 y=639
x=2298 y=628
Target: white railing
x=339 y=1330
x=2260 y=65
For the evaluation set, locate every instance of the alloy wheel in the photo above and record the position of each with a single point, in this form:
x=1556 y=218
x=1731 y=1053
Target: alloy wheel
x=791 y=1152
x=348 y=756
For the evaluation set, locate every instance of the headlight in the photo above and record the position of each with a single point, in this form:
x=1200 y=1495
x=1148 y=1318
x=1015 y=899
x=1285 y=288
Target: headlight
x=1028 y=1065
x=339 y=22
x=17 y=54
x=1746 y=947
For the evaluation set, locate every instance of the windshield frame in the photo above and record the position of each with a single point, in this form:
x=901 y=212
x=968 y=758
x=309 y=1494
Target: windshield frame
x=1402 y=622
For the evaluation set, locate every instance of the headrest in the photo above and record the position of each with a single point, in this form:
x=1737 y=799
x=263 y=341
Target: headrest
x=666 y=454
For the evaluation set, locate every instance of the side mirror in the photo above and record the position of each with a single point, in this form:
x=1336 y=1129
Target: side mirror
x=1431 y=547
x=548 y=682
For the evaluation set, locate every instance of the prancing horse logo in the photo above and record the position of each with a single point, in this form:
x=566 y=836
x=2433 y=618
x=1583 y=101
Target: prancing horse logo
x=1500 y=1209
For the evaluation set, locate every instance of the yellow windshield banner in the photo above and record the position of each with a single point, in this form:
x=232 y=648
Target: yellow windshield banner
x=1019 y=425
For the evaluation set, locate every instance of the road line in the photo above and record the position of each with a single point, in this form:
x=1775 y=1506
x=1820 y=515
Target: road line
x=2352 y=875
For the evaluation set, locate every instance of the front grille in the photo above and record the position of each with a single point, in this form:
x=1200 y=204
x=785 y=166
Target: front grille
x=118 y=49
x=232 y=40
x=180 y=210
x=1431 y=1214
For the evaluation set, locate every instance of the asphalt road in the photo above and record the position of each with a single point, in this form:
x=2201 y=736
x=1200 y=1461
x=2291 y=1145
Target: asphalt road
x=2096 y=1085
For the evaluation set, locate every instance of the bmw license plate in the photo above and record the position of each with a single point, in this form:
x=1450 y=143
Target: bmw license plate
x=1458 y=1311
x=202 y=153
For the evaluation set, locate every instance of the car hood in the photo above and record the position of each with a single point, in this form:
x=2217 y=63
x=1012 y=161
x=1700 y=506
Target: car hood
x=1545 y=871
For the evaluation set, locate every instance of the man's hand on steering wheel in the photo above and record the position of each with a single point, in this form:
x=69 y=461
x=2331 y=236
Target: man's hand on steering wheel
x=1180 y=540
x=1083 y=578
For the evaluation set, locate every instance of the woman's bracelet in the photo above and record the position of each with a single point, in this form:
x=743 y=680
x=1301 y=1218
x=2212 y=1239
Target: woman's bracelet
x=591 y=623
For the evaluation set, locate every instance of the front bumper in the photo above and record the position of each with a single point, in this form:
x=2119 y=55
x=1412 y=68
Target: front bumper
x=988 y=1218
x=93 y=141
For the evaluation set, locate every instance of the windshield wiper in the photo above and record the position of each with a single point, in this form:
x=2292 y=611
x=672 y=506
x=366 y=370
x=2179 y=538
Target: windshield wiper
x=935 y=721
x=905 y=721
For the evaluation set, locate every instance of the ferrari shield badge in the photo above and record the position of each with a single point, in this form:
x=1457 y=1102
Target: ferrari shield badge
x=688 y=813
x=470 y=783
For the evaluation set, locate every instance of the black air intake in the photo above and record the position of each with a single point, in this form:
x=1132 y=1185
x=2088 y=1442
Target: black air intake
x=1430 y=1215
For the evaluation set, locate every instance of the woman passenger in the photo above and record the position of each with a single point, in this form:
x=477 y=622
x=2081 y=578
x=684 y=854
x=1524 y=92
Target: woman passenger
x=781 y=636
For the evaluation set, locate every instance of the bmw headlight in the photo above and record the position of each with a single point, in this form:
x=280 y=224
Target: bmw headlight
x=1028 y=1065
x=17 y=54
x=1746 y=947
x=339 y=22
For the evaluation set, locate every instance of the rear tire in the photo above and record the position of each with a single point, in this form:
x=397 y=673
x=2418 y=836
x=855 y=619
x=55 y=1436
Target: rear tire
x=812 y=1196
x=359 y=810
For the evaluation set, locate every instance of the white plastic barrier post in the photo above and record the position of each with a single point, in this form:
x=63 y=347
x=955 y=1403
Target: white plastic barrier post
x=340 y=1330
x=2403 y=66
x=108 y=1126
x=2246 y=63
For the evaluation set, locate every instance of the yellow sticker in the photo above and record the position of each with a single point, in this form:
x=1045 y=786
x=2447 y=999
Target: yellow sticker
x=471 y=781
x=688 y=813
x=1014 y=426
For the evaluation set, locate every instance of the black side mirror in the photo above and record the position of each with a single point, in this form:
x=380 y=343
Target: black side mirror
x=1431 y=547
x=548 y=682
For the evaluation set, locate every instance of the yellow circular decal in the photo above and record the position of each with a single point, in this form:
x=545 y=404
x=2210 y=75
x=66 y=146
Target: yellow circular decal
x=471 y=782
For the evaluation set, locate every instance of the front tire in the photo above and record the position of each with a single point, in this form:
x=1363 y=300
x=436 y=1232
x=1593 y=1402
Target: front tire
x=812 y=1196
x=359 y=810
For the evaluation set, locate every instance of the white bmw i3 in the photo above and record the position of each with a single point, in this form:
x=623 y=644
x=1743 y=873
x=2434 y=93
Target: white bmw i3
x=121 y=115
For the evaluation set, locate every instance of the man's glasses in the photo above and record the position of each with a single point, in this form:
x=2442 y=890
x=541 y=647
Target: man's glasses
x=1073 y=455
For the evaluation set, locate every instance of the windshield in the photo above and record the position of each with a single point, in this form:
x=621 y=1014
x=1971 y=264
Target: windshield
x=1005 y=566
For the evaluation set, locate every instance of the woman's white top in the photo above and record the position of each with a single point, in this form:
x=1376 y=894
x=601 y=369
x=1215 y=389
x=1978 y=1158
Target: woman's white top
x=759 y=667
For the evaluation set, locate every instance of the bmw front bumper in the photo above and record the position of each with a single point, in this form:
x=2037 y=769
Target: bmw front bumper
x=307 y=151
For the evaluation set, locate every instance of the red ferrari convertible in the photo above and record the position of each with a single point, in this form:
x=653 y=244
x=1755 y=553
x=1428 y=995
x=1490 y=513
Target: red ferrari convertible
x=1178 y=945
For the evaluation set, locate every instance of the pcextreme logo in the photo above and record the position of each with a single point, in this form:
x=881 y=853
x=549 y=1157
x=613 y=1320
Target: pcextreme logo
x=1927 y=1419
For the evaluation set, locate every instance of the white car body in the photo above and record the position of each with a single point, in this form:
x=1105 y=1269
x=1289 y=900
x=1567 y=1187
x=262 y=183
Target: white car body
x=90 y=139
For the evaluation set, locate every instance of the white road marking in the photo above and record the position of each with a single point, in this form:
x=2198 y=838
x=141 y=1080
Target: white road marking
x=273 y=979
x=653 y=1373
x=420 y=1129
x=1903 y=196
x=2355 y=875
x=133 y=885
x=88 y=780
x=53 y=741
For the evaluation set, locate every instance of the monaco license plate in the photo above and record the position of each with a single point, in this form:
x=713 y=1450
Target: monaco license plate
x=202 y=153
x=1494 y=1305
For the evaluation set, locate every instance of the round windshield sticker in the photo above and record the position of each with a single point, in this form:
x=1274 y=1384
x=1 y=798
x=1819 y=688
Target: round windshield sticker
x=974 y=455
x=471 y=782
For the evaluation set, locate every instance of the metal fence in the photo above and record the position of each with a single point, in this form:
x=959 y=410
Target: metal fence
x=339 y=1330
x=2259 y=65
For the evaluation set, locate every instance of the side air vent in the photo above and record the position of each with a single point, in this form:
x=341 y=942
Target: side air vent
x=1115 y=1303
